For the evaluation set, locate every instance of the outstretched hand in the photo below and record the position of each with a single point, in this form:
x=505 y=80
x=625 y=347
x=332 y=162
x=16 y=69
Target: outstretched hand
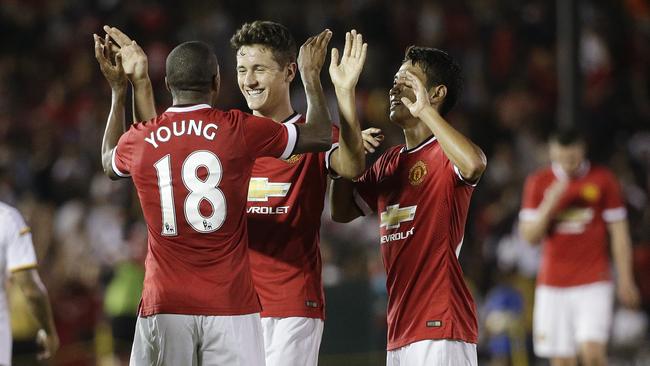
x=312 y=54
x=345 y=74
x=110 y=62
x=421 y=93
x=134 y=60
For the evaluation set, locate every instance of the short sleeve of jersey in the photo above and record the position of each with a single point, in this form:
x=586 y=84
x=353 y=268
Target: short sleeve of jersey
x=614 y=208
x=20 y=250
x=122 y=155
x=532 y=198
x=264 y=137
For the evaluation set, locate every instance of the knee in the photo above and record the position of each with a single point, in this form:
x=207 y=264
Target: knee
x=593 y=354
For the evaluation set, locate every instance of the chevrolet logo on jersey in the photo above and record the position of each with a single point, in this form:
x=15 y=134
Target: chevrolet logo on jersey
x=394 y=216
x=259 y=189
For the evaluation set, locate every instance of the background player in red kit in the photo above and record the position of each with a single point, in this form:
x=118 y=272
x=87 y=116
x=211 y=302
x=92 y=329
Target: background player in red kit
x=422 y=191
x=191 y=168
x=285 y=196
x=572 y=206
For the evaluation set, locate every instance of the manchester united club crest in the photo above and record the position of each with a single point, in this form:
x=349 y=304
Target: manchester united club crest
x=417 y=173
x=293 y=159
x=590 y=192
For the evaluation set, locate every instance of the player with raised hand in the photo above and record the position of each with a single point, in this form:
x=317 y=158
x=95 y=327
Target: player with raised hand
x=191 y=167
x=571 y=207
x=17 y=259
x=422 y=191
x=288 y=194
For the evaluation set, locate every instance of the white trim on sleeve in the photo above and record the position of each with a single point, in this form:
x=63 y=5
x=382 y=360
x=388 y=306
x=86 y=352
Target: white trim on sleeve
x=328 y=156
x=115 y=169
x=528 y=214
x=614 y=214
x=460 y=176
x=459 y=246
x=292 y=138
x=361 y=203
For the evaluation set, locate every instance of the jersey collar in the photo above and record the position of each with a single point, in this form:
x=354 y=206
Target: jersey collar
x=190 y=108
x=419 y=147
x=293 y=118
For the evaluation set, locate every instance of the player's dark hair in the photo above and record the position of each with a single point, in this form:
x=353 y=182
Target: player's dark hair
x=191 y=66
x=440 y=69
x=270 y=34
x=566 y=136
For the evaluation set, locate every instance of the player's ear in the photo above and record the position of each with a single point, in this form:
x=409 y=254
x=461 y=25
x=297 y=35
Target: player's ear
x=437 y=94
x=167 y=85
x=291 y=72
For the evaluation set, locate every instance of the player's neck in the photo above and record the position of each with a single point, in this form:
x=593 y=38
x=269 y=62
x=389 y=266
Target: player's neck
x=184 y=97
x=278 y=113
x=414 y=135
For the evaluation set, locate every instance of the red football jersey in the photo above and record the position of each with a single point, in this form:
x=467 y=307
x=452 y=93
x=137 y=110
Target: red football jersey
x=575 y=250
x=191 y=167
x=285 y=203
x=423 y=202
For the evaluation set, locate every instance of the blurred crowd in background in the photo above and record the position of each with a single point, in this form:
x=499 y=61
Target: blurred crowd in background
x=88 y=231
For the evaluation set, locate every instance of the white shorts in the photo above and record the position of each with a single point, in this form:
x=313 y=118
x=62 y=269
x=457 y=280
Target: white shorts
x=565 y=317
x=5 y=338
x=174 y=339
x=430 y=352
x=292 y=341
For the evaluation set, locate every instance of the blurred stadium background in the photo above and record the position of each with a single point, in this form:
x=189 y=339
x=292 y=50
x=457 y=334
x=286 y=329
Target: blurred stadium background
x=88 y=232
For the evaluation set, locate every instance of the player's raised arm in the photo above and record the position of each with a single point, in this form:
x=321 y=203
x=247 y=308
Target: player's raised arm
x=135 y=64
x=348 y=160
x=461 y=151
x=114 y=74
x=316 y=134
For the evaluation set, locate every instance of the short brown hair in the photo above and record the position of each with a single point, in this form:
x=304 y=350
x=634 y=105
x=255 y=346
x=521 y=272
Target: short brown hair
x=270 y=34
x=440 y=69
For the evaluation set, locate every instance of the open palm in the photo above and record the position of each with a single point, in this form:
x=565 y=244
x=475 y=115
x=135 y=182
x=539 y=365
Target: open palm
x=345 y=74
x=421 y=94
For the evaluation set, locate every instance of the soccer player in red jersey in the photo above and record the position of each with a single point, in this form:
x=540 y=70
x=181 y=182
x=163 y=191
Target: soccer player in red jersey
x=285 y=196
x=191 y=167
x=422 y=191
x=571 y=207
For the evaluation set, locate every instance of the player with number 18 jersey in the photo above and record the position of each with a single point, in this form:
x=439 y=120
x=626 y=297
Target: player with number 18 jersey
x=197 y=261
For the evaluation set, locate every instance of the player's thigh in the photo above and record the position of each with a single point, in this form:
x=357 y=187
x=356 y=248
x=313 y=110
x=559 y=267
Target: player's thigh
x=165 y=339
x=553 y=331
x=292 y=341
x=594 y=304
x=434 y=353
x=234 y=340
